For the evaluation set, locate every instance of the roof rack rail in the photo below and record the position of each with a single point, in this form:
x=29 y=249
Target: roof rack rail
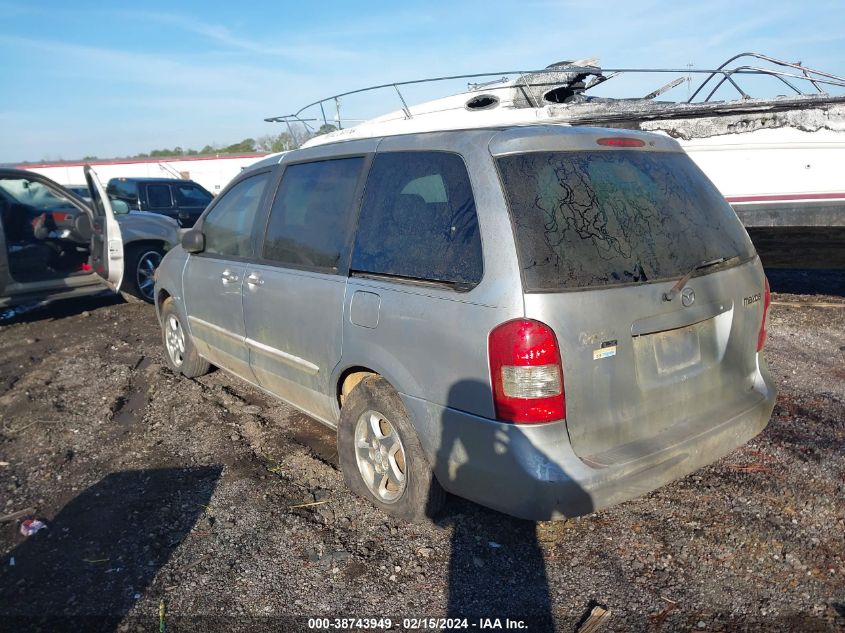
x=573 y=76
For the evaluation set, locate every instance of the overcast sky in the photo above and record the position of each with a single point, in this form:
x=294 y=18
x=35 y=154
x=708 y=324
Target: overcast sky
x=90 y=78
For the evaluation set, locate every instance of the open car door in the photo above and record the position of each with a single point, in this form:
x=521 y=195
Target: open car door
x=106 y=241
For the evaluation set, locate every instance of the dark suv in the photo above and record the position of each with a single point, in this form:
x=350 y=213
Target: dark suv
x=182 y=200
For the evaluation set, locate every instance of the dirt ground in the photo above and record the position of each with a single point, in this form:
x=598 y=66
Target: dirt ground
x=227 y=508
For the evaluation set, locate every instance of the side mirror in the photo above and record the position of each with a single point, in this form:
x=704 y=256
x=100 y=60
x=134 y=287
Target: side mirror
x=193 y=241
x=119 y=207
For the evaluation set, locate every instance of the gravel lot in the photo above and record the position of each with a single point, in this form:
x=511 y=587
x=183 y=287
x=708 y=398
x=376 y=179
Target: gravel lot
x=159 y=489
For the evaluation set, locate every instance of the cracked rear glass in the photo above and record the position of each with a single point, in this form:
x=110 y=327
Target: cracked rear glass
x=601 y=218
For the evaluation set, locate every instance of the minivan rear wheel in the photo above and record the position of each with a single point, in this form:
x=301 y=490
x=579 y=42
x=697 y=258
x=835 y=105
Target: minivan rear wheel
x=381 y=456
x=179 y=350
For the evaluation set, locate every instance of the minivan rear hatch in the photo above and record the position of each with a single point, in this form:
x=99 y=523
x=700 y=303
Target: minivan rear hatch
x=603 y=233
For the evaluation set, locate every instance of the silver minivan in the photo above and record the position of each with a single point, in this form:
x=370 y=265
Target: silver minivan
x=542 y=319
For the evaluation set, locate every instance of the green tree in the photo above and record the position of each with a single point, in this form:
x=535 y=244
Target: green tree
x=246 y=145
x=281 y=143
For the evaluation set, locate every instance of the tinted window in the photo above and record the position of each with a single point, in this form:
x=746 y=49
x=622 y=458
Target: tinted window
x=159 y=196
x=418 y=219
x=228 y=226
x=609 y=217
x=123 y=190
x=310 y=220
x=191 y=196
x=80 y=191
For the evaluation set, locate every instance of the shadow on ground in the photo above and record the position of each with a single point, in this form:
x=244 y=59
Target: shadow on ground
x=497 y=568
x=99 y=553
x=800 y=247
x=807 y=281
x=57 y=309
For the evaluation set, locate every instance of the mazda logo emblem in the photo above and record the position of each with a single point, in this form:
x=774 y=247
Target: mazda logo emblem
x=688 y=297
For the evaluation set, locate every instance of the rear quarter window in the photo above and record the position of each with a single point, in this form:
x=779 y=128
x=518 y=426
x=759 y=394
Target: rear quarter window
x=587 y=219
x=418 y=220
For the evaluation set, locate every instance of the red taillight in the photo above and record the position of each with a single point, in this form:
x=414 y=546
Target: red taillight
x=621 y=141
x=526 y=372
x=767 y=300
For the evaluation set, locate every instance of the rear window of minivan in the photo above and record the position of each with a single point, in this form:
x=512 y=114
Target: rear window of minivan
x=599 y=218
x=418 y=220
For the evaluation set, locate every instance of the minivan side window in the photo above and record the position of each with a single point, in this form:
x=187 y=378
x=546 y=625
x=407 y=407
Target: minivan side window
x=312 y=214
x=418 y=219
x=228 y=226
x=159 y=196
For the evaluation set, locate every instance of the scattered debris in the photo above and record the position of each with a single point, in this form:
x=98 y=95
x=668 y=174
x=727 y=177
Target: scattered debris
x=595 y=620
x=312 y=503
x=31 y=526
x=197 y=561
x=807 y=304
x=494 y=544
x=334 y=557
x=16 y=515
x=749 y=468
x=276 y=469
x=659 y=618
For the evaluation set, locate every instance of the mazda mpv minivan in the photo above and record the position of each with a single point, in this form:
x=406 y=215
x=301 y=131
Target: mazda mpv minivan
x=545 y=320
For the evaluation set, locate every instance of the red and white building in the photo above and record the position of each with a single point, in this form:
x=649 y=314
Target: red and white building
x=212 y=172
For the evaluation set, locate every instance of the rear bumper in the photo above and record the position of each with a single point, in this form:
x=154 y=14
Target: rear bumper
x=532 y=472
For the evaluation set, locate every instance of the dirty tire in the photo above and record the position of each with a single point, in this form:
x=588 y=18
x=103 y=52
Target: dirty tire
x=140 y=262
x=422 y=495
x=191 y=365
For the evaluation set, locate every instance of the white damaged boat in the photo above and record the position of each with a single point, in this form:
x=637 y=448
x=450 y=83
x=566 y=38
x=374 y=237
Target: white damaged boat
x=776 y=159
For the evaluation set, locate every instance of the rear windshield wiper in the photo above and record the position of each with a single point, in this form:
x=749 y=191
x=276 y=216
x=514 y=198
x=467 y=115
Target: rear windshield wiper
x=673 y=292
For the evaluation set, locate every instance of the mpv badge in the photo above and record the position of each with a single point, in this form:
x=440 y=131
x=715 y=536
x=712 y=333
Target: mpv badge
x=688 y=297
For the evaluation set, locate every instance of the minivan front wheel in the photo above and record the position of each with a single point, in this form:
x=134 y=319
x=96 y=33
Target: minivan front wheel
x=179 y=349
x=381 y=456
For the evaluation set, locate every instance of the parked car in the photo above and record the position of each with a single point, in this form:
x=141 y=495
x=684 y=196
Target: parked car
x=80 y=190
x=545 y=320
x=182 y=200
x=54 y=244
